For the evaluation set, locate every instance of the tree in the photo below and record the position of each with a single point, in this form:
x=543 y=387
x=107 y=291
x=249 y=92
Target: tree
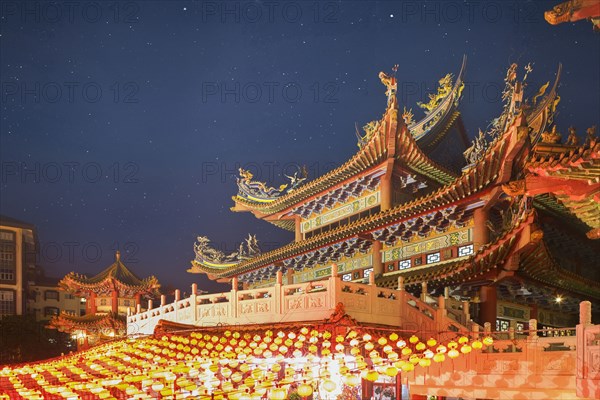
x=23 y=339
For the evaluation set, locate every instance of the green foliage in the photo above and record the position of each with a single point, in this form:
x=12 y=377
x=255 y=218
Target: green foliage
x=23 y=339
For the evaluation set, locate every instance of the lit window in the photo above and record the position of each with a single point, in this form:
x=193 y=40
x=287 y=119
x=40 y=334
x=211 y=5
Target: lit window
x=347 y=277
x=502 y=325
x=368 y=272
x=390 y=267
x=433 y=258
x=465 y=250
x=404 y=264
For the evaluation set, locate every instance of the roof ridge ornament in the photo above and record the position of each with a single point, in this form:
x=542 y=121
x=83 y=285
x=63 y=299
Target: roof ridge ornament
x=391 y=84
x=260 y=192
x=117 y=256
x=209 y=256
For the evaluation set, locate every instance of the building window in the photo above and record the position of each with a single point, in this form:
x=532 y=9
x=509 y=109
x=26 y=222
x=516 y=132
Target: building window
x=404 y=264
x=502 y=325
x=8 y=257
x=433 y=258
x=103 y=302
x=126 y=303
x=368 y=272
x=50 y=295
x=50 y=311
x=390 y=267
x=465 y=250
x=347 y=277
x=7 y=302
x=68 y=296
x=418 y=261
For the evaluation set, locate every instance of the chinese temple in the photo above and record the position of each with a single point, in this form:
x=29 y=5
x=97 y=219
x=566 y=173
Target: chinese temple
x=109 y=296
x=424 y=267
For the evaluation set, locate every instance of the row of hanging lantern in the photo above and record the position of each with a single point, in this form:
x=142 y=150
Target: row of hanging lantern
x=231 y=365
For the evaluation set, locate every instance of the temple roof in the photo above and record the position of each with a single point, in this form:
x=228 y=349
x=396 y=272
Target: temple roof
x=97 y=323
x=116 y=276
x=389 y=139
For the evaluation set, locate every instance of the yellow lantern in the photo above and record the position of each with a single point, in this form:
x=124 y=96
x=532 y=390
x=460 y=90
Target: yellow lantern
x=393 y=337
x=488 y=341
x=420 y=346
x=351 y=380
x=413 y=339
x=453 y=353
x=278 y=394
x=382 y=341
x=477 y=344
x=425 y=362
x=439 y=357
x=329 y=385
x=372 y=375
x=452 y=345
x=305 y=390
x=465 y=349
x=369 y=346
x=441 y=349
x=463 y=340
x=391 y=371
x=431 y=342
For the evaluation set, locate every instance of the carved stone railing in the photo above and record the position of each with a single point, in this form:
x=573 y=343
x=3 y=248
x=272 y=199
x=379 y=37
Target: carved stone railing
x=544 y=364
x=299 y=302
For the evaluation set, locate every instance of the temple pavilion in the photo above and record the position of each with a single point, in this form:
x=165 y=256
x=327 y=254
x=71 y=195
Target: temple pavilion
x=109 y=296
x=505 y=226
x=424 y=267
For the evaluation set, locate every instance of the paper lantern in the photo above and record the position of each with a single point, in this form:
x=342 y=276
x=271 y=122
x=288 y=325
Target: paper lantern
x=371 y=375
x=278 y=394
x=465 y=349
x=391 y=371
x=488 y=341
x=305 y=390
x=431 y=342
x=413 y=339
x=351 y=380
x=439 y=357
x=477 y=344
x=453 y=353
x=329 y=385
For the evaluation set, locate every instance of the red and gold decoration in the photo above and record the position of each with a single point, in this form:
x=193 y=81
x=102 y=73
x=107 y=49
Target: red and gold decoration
x=232 y=364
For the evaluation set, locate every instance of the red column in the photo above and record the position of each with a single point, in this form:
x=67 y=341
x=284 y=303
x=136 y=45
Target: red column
x=298 y=233
x=91 y=306
x=488 y=305
x=386 y=191
x=138 y=299
x=115 y=301
x=481 y=233
x=376 y=254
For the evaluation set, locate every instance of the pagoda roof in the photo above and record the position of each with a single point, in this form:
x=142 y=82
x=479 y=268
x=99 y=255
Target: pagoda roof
x=468 y=186
x=115 y=276
x=391 y=139
x=98 y=323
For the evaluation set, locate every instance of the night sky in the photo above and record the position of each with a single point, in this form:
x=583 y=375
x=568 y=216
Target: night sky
x=123 y=123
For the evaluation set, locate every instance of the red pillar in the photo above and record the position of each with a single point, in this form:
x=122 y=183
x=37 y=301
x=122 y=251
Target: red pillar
x=91 y=306
x=115 y=301
x=533 y=314
x=376 y=254
x=488 y=305
x=481 y=233
x=138 y=299
x=386 y=191
x=298 y=233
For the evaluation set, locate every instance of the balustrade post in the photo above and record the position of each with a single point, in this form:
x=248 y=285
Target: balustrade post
x=533 y=329
x=585 y=313
x=279 y=292
x=193 y=302
x=149 y=304
x=401 y=283
x=466 y=312
x=511 y=336
x=138 y=308
x=372 y=278
x=424 y=292
x=233 y=300
x=177 y=294
x=475 y=329
x=487 y=330
x=163 y=300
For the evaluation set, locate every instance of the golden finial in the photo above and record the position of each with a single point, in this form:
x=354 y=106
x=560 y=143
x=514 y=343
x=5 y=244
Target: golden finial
x=117 y=255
